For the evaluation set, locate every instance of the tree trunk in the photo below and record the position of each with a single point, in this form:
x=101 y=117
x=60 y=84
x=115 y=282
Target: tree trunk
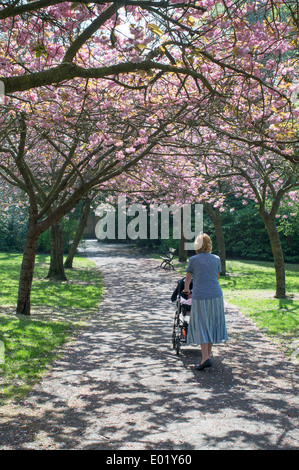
x=80 y=229
x=215 y=217
x=277 y=255
x=56 y=271
x=27 y=269
x=182 y=252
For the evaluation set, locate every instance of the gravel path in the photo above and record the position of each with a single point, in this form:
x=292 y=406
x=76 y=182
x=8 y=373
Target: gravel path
x=120 y=386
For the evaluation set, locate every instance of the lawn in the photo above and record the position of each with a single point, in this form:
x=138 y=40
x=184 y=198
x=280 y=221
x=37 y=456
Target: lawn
x=80 y=291
x=250 y=286
x=28 y=345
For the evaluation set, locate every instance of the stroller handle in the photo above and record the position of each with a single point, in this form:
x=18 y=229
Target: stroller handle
x=182 y=293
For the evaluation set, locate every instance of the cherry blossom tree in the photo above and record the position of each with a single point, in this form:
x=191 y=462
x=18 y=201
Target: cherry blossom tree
x=56 y=161
x=260 y=176
x=92 y=88
x=167 y=176
x=202 y=165
x=219 y=44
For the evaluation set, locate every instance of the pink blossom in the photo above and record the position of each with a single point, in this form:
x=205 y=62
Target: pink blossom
x=293 y=195
x=130 y=150
x=120 y=155
x=151 y=120
x=271 y=64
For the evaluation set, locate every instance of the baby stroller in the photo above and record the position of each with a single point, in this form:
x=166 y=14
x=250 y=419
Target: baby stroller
x=182 y=315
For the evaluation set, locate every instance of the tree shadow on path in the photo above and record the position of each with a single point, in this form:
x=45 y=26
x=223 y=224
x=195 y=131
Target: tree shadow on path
x=121 y=386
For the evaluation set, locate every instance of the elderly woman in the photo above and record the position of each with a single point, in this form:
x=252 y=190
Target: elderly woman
x=207 y=320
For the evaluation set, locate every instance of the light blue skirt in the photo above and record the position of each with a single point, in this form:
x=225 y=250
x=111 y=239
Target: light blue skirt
x=207 y=321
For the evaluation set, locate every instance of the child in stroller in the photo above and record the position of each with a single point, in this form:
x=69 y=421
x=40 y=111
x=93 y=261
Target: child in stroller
x=182 y=314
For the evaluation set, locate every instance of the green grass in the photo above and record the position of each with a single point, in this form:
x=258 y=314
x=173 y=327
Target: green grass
x=81 y=290
x=250 y=286
x=28 y=345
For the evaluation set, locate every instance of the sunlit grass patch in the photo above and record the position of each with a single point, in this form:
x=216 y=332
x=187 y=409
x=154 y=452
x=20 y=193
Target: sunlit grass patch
x=29 y=344
x=29 y=347
x=82 y=289
x=250 y=286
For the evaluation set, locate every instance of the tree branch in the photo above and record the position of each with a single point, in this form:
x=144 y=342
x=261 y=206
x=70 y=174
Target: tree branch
x=89 y=31
x=68 y=71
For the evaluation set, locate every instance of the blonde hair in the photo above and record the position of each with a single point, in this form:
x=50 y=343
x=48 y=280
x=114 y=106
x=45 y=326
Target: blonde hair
x=203 y=244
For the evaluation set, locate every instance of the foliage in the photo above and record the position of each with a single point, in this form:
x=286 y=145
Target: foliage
x=245 y=234
x=226 y=51
x=13 y=226
x=12 y=229
x=110 y=83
